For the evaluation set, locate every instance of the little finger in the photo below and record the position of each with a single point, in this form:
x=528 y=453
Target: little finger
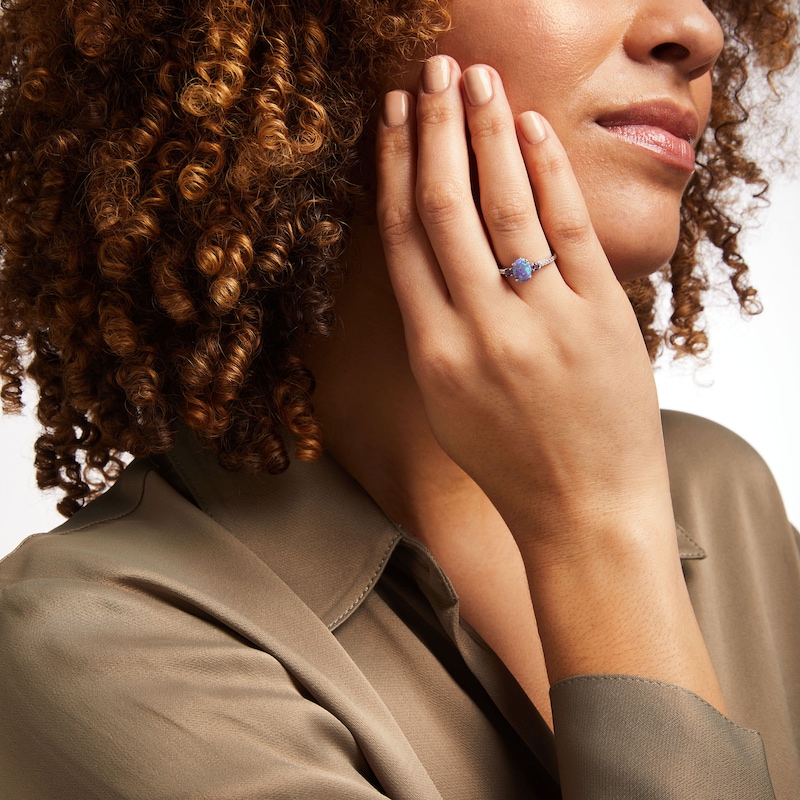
x=562 y=209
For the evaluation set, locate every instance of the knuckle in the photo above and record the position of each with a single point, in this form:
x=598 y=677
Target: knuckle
x=397 y=222
x=394 y=145
x=507 y=214
x=441 y=361
x=505 y=354
x=571 y=229
x=549 y=164
x=436 y=368
x=487 y=126
x=439 y=202
x=435 y=362
x=434 y=114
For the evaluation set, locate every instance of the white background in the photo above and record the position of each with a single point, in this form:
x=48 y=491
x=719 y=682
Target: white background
x=750 y=383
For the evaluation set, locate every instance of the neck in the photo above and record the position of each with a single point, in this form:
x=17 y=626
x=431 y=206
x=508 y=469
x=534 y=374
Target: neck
x=374 y=423
x=373 y=416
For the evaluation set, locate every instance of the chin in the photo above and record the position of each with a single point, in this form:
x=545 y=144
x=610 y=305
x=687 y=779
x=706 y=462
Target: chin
x=631 y=264
x=638 y=246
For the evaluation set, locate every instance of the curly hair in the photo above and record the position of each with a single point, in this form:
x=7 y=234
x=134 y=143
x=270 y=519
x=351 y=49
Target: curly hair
x=177 y=181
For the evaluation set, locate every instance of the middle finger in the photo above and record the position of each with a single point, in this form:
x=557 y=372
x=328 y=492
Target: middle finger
x=443 y=188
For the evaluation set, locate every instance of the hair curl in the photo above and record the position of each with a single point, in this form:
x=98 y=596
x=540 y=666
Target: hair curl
x=177 y=180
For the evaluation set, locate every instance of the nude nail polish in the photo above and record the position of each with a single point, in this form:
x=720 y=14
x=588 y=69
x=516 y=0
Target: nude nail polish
x=395 y=109
x=533 y=130
x=478 y=84
x=436 y=75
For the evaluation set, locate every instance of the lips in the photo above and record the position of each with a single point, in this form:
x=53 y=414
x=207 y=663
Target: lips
x=666 y=130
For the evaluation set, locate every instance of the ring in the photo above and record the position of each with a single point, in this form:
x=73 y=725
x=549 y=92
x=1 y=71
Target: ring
x=522 y=270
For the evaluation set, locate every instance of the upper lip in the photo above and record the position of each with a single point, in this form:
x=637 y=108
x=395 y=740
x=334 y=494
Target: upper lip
x=680 y=122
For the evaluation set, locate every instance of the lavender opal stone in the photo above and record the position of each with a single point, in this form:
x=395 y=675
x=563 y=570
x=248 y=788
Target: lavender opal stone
x=522 y=269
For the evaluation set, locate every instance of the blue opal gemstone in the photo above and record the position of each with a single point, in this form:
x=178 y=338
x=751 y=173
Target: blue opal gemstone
x=522 y=270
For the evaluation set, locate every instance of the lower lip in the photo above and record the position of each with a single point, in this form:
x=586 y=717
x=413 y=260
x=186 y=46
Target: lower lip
x=674 y=151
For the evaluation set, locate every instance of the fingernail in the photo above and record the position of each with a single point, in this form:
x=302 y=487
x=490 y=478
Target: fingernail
x=478 y=83
x=395 y=109
x=532 y=128
x=436 y=75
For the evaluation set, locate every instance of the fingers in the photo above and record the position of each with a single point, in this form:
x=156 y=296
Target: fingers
x=512 y=162
x=415 y=274
x=444 y=192
x=562 y=209
x=434 y=241
x=439 y=247
x=506 y=199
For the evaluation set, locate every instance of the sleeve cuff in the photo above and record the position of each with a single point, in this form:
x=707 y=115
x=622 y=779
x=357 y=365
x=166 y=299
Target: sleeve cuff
x=620 y=737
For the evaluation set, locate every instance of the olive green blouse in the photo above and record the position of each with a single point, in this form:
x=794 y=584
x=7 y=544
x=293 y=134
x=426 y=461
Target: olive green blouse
x=200 y=634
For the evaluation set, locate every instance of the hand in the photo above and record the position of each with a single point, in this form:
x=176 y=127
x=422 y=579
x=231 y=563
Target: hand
x=542 y=391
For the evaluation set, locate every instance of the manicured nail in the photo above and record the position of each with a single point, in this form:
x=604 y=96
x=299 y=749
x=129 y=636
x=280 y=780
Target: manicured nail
x=532 y=128
x=436 y=75
x=478 y=83
x=395 y=109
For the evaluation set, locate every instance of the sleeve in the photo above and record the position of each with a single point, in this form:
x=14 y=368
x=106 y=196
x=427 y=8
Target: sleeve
x=620 y=737
x=108 y=692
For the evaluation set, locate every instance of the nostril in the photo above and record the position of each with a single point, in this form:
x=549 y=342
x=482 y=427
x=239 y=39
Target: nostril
x=671 y=52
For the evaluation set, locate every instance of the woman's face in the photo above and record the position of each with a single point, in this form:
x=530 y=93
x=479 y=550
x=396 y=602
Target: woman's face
x=625 y=83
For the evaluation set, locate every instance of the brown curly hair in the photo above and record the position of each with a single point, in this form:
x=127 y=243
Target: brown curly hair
x=177 y=180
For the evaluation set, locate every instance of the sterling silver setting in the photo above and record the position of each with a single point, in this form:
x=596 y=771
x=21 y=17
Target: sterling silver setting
x=522 y=270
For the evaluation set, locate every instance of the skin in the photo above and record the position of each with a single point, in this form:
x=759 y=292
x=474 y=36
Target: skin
x=596 y=55
x=514 y=427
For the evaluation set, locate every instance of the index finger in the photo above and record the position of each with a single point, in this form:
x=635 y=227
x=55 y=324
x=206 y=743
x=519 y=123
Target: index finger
x=416 y=277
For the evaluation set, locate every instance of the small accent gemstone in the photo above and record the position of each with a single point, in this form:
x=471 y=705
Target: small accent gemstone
x=522 y=270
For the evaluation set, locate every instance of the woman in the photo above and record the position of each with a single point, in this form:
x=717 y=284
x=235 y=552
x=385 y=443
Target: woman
x=181 y=182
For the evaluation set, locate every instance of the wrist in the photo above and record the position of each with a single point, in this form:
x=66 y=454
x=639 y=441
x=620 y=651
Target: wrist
x=558 y=533
x=616 y=603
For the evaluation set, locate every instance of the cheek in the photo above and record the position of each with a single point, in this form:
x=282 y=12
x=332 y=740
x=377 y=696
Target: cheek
x=633 y=202
x=543 y=51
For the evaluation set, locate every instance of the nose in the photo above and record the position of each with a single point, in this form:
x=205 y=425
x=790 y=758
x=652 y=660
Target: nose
x=683 y=33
